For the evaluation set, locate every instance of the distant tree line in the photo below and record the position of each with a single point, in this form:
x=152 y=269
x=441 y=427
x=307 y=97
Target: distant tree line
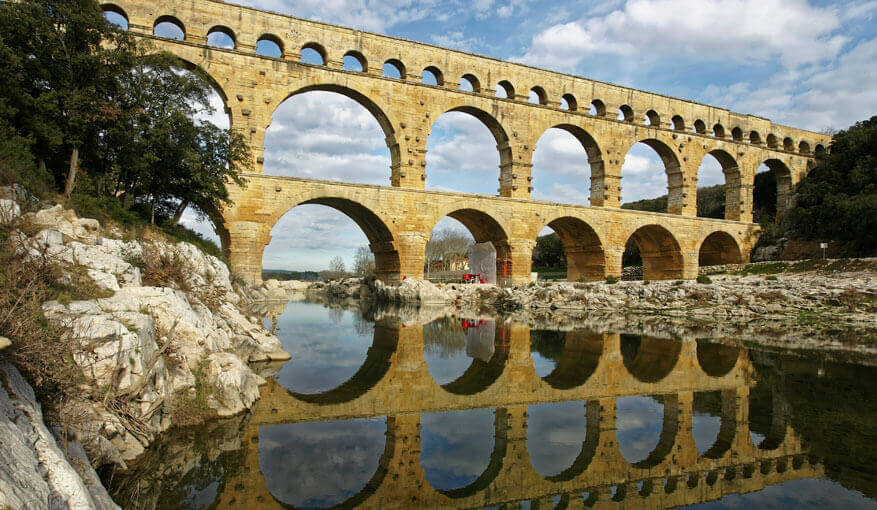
x=91 y=112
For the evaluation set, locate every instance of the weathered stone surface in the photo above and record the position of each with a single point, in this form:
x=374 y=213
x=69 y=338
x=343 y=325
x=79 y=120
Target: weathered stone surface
x=235 y=386
x=66 y=222
x=35 y=473
x=9 y=210
x=398 y=221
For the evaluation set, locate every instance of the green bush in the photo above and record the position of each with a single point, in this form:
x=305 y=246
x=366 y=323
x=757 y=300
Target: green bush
x=704 y=279
x=611 y=279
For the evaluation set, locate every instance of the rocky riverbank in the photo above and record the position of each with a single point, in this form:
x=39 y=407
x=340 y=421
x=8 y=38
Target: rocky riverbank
x=831 y=307
x=160 y=341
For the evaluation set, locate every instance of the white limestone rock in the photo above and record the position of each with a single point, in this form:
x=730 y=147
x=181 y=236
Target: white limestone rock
x=233 y=386
x=35 y=473
x=9 y=210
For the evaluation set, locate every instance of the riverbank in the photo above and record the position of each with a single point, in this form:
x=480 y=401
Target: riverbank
x=806 y=305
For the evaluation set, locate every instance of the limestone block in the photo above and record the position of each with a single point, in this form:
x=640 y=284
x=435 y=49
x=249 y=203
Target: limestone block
x=9 y=210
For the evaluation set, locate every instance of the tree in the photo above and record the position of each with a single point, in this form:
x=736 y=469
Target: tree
x=548 y=253
x=445 y=245
x=336 y=269
x=837 y=200
x=67 y=56
x=364 y=262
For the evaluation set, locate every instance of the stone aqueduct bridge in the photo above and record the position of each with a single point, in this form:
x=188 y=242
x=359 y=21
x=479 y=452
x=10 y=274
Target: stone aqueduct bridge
x=398 y=219
x=394 y=382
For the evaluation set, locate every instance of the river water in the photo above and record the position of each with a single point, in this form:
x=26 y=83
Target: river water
x=404 y=410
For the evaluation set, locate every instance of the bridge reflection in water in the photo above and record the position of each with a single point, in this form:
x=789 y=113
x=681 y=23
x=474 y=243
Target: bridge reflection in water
x=594 y=369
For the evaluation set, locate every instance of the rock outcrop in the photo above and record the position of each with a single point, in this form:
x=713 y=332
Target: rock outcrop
x=35 y=472
x=164 y=334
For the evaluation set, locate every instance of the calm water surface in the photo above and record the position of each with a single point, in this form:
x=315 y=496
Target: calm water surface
x=485 y=413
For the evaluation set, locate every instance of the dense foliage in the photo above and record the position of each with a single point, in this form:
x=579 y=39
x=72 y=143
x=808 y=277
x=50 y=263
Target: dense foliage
x=548 y=253
x=84 y=101
x=837 y=200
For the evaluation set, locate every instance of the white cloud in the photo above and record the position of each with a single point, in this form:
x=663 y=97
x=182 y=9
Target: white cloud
x=835 y=94
x=742 y=31
x=374 y=16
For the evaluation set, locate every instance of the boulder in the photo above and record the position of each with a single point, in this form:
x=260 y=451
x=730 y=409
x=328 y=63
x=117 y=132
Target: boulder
x=232 y=386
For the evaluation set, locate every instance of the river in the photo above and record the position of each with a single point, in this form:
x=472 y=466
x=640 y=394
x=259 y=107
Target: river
x=384 y=409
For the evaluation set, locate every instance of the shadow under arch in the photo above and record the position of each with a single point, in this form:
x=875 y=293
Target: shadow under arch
x=376 y=365
x=581 y=355
x=481 y=374
x=719 y=248
x=717 y=359
x=380 y=238
x=585 y=257
x=660 y=252
x=733 y=182
x=649 y=359
x=363 y=100
x=497 y=458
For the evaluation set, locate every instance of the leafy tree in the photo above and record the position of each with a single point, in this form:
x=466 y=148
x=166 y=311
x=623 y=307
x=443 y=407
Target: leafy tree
x=66 y=56
x=837 y=200
x=548 y=253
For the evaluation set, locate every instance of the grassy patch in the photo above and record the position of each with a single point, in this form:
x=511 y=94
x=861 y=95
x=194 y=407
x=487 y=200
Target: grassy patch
x=763 y=269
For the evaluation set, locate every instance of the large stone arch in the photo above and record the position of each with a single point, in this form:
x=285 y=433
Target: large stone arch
x=734 y=188
x=584 y=250
x=500 y=135
x=485 y=229
x=785 y=184
x=589 y=143
x=719 y=248
x=676 y=201
x=381 y=240
x=660 y=252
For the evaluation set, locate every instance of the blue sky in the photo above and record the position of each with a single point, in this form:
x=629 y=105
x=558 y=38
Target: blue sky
x=809 y=64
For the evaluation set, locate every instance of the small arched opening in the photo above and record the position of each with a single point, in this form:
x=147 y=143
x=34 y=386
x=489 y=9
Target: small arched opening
x=394 y=68
x=115 y=15
x=625 y=113
x=269 y=45
x=678 y=123
x=819 y=151
x=538 y=96
x=699 y=127
x=568 y=102
x=432 y=75
x=598 y=108
x=719 y=131
x=169 y=27
x=788 y=145
x=470 y=83
x=221 y=37
x=314 y=53
x=754 y=138
x=505 y=90
x=772 y=141
x=653 y=119
x=804 y=148
x=737 y=134
x=354 y=61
